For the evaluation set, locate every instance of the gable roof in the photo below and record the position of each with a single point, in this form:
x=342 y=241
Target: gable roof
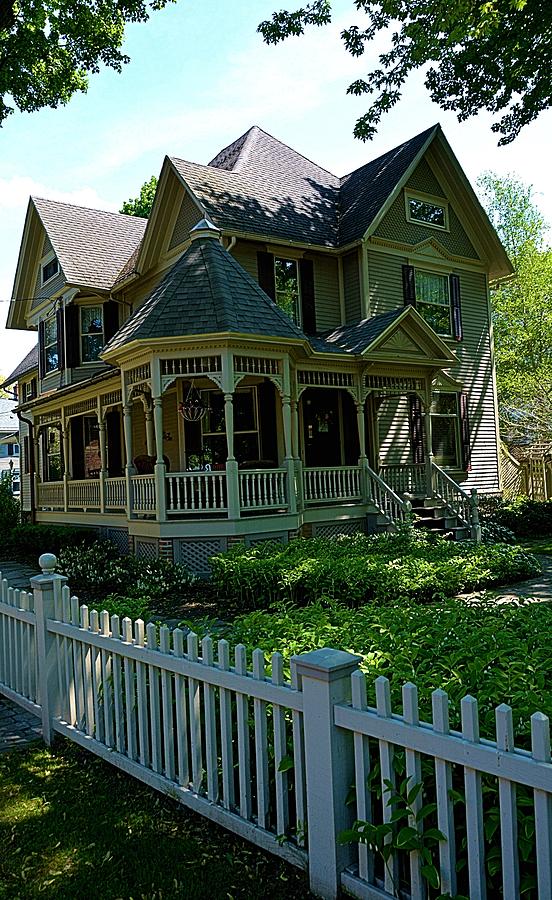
x=92 y=245
x=206 y=292
x=26 y=365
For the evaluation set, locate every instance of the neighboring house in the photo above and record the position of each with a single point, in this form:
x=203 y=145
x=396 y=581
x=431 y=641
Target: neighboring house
x=9 y=442
x=275 y=351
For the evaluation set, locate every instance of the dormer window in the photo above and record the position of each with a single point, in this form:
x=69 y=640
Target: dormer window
x=49 y=269
x=427 y=211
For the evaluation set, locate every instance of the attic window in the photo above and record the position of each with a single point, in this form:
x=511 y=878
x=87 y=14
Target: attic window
x=427 y=212
x=49 y=269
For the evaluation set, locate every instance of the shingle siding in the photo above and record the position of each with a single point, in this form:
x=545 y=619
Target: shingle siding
x=188 y=216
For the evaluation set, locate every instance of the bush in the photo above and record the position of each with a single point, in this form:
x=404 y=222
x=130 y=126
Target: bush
x=409 y=565
x=28 y=542
x=523 y=517
x=97 y=572
x=9 y=505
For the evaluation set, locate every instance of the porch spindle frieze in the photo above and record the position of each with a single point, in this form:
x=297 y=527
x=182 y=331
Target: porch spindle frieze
x=325 y=378
x=399 y=384
x=81 y=407
x=190 y=365
x=138 y=374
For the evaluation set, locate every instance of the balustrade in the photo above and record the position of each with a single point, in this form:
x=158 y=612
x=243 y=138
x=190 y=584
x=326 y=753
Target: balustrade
x=263 y=489
x=196 y=492
x=331 y=485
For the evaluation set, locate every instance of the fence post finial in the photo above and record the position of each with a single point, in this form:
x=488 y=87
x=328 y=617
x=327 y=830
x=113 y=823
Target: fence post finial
x=46 y=590
x=324 y=676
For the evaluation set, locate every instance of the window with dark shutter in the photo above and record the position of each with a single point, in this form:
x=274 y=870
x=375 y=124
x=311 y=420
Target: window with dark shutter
x=409 y=286
x=265 y=269
x=463 y=399
x=416 y=428
x=308 y=308
x=41 y=360
x=60 y=339
x=456 y=307
x=111 y=319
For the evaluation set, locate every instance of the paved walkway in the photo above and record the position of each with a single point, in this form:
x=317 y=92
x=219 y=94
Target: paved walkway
x=18 y=574
x=17 y=727
x=538 y=589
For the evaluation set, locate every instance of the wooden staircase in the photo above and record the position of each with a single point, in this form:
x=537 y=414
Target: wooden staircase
x=433 y=515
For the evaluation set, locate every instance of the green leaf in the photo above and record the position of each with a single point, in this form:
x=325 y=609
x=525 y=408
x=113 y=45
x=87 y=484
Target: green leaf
x=286 y=764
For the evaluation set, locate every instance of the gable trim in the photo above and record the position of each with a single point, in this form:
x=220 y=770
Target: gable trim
x=442 y=351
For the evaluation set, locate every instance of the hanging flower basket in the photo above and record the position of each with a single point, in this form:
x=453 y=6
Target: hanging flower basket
x=192 y=408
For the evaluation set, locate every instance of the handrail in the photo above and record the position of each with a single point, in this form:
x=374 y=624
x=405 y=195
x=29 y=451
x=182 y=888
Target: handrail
x=384 y=498
x=463 y=505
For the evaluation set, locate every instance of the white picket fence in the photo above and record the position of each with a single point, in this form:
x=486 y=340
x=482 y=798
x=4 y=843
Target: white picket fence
x=274 y=761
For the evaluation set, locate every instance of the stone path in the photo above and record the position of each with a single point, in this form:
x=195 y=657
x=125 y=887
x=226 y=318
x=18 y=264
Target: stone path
x=538 y=589
x=18 y=574
x=17 y=727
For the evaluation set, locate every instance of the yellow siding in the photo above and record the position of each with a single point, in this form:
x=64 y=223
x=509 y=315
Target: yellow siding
x=170 y=427
x=326 y=292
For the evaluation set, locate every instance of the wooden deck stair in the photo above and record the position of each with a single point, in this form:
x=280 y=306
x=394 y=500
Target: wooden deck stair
x=434 y=516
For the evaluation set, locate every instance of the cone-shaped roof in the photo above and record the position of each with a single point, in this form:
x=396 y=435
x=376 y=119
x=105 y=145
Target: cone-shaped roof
x=206 y=292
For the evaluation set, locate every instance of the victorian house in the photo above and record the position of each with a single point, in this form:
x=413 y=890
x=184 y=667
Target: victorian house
x=276 y=351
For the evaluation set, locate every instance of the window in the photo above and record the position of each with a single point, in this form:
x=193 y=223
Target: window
x=213 y=427
x=52 y=454
x=433 y=300
x=424 y=212
x=92 y=333
x=13 y=449
x=445 y=429
x=286 y=276
x=29 y=390
x=92 y=459
x=49 y=269
x=51 y=352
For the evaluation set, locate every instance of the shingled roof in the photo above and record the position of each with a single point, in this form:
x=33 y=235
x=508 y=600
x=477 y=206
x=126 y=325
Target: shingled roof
x=92 y=245
x=206 y=292
x=356 y=338
x=258 y=184
x=26 y=365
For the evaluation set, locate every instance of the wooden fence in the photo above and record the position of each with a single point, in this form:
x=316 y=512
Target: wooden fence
x=287 y=765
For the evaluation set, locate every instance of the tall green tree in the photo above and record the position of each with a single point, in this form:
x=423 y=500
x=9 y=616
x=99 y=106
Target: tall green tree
x=522 y=309
x=48 y=48
x=493 y=55
x=141 y=205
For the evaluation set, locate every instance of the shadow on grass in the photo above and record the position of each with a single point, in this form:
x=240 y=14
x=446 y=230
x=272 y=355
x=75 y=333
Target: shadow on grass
x=71 y=826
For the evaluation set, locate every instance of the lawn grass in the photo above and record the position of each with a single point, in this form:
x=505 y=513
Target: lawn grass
x=71 y=826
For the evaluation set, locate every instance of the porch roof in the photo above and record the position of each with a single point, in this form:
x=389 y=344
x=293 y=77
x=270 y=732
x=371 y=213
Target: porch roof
x=26 y=365
x=206 y=292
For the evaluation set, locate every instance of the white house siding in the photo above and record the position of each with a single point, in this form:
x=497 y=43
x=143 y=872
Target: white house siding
x=326 y=293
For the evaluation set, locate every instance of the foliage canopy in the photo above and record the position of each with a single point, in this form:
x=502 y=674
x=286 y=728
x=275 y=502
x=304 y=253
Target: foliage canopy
x=141 y=205
x=47 y=49
x=494 y=55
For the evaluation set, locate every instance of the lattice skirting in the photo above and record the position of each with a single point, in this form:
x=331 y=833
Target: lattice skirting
x=117 y=536
x=196 y=553
x=334 y=529
x=146 y=549
x=279 y=537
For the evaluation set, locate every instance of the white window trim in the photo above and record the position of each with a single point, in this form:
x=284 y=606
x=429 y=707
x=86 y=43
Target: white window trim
x=457 y=431
x=83 y=306
x=427 y=198
x=44 y=262
x=290 y=258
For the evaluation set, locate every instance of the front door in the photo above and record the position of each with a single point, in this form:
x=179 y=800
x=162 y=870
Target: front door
x=321 y=428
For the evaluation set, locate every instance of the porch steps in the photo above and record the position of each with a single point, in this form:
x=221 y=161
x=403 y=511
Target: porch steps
x=434 y=516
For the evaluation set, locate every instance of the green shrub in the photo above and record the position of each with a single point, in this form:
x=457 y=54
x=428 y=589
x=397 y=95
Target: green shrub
x=523 y=517
x=28 y=542
x=9 y=506
x=126 y=607
x=361 y=569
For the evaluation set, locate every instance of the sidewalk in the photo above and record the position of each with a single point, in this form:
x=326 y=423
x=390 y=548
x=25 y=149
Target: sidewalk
x=18 y=574
x=17 y=727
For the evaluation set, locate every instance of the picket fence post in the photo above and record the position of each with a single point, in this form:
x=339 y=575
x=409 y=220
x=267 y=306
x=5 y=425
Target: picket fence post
x=324 y=676
x=46 y=589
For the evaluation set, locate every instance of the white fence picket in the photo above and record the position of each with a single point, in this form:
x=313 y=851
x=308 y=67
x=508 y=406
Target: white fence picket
x=228 y=793
x=362 y=773
x=445 y=806
x=118 y=689
x=154 y=704
x=142 y=698
x=474 y=805
x=508 y=808
x=261 y=745
x=540 y=744
x=211 y=754
x=386 y=753
x=194 y=696
x=242 y=715
x=414 y=775
x=130 y=696
x=181 y=715
x=167 y=707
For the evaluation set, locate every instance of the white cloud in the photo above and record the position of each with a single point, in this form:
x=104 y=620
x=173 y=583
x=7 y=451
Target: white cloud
x=15 y=193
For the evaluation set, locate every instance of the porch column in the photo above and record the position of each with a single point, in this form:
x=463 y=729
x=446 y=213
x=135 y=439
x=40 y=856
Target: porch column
x=150 y=436
x=103 y=461
x=429 y=446
x=288 y=450
x=66 y=462
x=298 y=465
x=129 y=467
x=39 y=462
x=362 y=459
x=160 y=469
x=232 y=475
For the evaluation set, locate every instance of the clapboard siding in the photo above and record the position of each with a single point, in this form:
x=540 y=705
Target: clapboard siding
x=246 y=254
x=385 y=282
x=170 y=426
x=139 y=442
x=40 y=293
x=25 y=479
x=394 y=436
x=326 y=292
x=351 y=287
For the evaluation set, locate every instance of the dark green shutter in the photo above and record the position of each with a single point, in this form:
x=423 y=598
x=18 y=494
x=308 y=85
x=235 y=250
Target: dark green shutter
x=114 y=445
x=41 y=351
x=409 y=286
x=308 y=308
x=265 y=269
x=77 y=447
x=416 y=423
x=463 y=399
x=110 y=319
x=60 y=339
x=457 y=331
x=267 y=423
x=72 y=336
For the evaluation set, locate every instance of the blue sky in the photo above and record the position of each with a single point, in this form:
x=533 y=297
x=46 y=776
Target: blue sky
x=200 y=75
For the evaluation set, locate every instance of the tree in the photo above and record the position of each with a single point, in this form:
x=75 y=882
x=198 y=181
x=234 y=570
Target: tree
x=47 y=49
x=141 y=205
x=522 y=310
x=493 y=55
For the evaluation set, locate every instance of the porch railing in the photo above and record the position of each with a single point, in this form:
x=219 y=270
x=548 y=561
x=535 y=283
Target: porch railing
x=50 y=494
x=463 y=505
x=332 y=485
x=263 y=489
x=115 y=493
x=406 y=479
x=143 y=494
x=384 y=498
x=196 y=492
x=83 y=494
